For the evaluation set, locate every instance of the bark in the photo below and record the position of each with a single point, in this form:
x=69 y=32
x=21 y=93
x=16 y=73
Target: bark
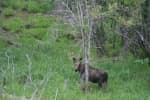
x=124 y=36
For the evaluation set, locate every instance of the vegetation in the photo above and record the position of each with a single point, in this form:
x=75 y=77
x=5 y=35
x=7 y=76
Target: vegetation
x=37 y=46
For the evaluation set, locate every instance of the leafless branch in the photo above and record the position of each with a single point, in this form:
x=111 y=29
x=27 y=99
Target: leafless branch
x=29 y=67
x=56 y=94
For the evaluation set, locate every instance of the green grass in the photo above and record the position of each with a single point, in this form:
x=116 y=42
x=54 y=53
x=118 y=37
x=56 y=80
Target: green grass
x=31 y=6
x=128 y=79
x=15 y=4
x=3 y=43
x=39 y=27
x=8 y=12
x=14 y=24
x=37 y=33
x=34 y=6
x=39 y=20
x=50 y=54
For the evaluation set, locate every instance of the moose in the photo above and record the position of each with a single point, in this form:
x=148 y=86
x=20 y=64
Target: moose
x=94 y=75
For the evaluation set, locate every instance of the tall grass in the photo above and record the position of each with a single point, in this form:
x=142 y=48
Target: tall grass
x=43 y=69
x=52 y=73
x=31 y=6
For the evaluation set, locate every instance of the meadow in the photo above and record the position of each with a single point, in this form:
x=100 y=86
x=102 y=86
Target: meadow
x=36 y=60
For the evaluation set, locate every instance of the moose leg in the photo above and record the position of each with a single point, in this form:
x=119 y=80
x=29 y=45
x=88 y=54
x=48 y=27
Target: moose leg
x=84 y=85
x=100 y=84
x=104 y=80
x=82 y=81
x=104 y=86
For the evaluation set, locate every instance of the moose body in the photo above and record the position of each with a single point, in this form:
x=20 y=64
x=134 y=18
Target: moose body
x=94 y=75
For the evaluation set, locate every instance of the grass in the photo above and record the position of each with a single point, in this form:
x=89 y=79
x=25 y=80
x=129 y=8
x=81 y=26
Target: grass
x=128 y=79
x=14 y=4
x=42 y=6
x=8 y=12
x=14 y=24
x=37 y=33
x=47 y=60
x=31 y=6
x=38 y=20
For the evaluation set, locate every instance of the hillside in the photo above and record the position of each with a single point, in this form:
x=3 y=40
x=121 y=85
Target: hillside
x=36 y=50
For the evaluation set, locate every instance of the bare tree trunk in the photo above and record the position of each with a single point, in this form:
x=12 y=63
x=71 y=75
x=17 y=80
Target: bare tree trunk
x=85 y=37
x=124 y=35
x=84 y=24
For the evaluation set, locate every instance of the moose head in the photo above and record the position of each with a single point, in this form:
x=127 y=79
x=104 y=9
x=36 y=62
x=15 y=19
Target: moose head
x=77 y=63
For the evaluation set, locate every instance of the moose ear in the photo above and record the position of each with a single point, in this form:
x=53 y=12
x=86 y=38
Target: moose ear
x=80 y=58
x=74 y=59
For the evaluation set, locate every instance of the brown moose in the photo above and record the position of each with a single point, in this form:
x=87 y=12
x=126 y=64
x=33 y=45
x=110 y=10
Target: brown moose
x=94 y=75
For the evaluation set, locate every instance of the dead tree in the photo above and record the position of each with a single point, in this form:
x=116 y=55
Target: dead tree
x=144 y=34
x=84 y=23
